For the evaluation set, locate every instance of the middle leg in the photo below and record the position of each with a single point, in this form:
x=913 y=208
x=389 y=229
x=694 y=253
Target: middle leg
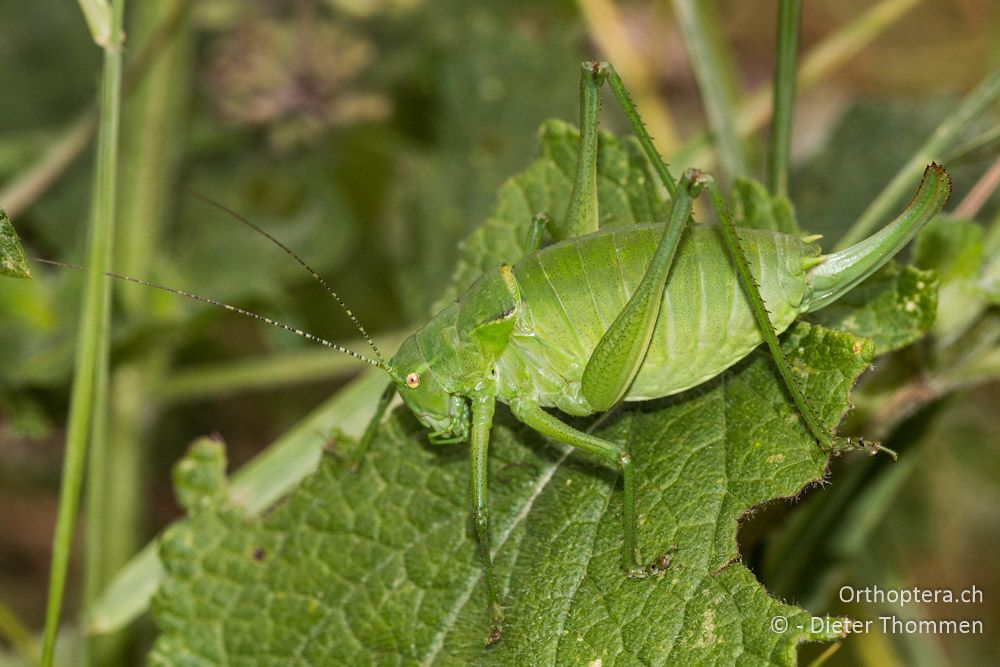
x=534 y=416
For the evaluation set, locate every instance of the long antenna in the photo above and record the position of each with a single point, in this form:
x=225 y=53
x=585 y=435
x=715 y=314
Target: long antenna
x=222 y=207
x=235 y=309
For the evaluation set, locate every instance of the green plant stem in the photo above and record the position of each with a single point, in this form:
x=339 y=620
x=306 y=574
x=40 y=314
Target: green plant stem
x=980 y=147
x=817 y=64
x=149 y=166
x=712 y=70
x=93 y=339
x=789 y=13
x=100 y=520
x=943 y=136
x=827 y=56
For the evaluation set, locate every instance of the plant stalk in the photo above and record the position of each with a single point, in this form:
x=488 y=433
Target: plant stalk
x=944 y=135
x=817 y=64
x=93 y=339
x=789 y=13
x=115 y=492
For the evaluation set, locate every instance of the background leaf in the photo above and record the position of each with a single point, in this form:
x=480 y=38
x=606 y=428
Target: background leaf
x=953 y=248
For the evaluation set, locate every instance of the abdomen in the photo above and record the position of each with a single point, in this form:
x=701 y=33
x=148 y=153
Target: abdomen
x=572 y=292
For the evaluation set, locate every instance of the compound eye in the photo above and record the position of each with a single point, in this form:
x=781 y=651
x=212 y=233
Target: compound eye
x=412 y=380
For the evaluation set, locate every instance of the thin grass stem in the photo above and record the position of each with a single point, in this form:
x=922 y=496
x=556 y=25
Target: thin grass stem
x=943 y=136
x=225 y=379
x=93 y=339
x=817 y=64
x=789 y=13
x=150 y=132
x=97 y=13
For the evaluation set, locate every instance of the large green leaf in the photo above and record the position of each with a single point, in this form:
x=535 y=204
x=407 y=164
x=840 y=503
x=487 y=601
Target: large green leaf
x=380 y=566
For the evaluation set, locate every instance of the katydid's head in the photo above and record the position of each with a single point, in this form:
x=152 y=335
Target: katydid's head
x=444 y=414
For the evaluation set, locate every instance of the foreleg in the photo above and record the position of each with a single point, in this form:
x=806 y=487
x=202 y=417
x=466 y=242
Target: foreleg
x=482 y=423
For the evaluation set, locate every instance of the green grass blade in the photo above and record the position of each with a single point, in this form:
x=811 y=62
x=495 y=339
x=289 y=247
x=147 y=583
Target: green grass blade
x=817 y=64
x=789 y=13
x=129 y=593
x=93 y=336
x=712 y=71
x=100 y=509
x=115 y=492
x=16 y=634
x=289 y=368
x=98 y=16
x=943 y=136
